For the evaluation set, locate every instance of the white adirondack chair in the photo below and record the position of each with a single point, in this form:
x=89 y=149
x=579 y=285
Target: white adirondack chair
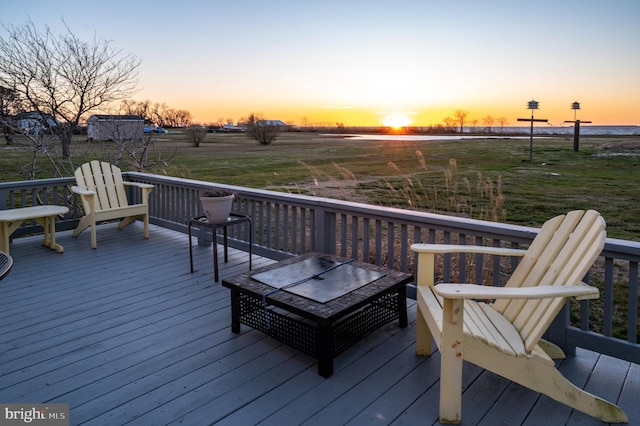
x=103 y=195
x=505 y=336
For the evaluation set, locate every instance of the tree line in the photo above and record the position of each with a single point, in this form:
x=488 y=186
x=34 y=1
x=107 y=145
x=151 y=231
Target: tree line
x=158 y=114
x=461 y=117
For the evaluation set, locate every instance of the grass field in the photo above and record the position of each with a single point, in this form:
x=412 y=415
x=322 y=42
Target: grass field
x=483 y=178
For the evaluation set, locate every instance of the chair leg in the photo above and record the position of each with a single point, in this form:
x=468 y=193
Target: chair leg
x=569 y=394
x=4 y=237
x=126 y=221
x=424 y=338
x=145 y=220
x=130 y=219
x=94 y=238
x=85 y=222
x=540 y=374
x=451 y=351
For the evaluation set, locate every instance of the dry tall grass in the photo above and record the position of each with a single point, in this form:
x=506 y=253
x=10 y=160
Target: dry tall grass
x=456 y=195
x=446 y=191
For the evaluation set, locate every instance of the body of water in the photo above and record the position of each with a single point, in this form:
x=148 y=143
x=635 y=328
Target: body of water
x=383 y=137
x=568 y=130
x=510 y=132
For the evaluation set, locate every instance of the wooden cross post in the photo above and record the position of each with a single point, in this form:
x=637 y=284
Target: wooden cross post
x=576 y=133
x=532 y=120
x=576 y=130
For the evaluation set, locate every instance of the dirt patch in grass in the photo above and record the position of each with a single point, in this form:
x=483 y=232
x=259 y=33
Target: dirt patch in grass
x=631 y=144
x=337 y=189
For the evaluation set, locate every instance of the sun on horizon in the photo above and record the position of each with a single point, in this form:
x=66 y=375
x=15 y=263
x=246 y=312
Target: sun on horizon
x=396 y=121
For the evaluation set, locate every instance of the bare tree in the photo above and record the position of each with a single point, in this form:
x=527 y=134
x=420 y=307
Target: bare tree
x=256 y=127
x=450 y=124
x=177 y=118
x=502 y=122
x=197 y=133
x=488 y=122
x=142 y=109
x=460 y=116
x=135 y=148
x=159 y=114
x=136 y=152
x=10 y=105
x=184 y=118
x=63 y=76
x=474 y=124
x=40 y=143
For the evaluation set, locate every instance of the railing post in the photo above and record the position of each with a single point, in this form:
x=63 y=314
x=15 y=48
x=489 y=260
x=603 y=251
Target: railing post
x=325 y=231
x=5 y=199
x=319 y=230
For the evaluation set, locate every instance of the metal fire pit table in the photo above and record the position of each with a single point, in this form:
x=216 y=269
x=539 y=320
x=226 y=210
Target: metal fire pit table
x=319 y=304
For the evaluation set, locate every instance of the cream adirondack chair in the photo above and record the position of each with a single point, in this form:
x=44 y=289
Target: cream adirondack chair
x=505 y=336
x=103 y=195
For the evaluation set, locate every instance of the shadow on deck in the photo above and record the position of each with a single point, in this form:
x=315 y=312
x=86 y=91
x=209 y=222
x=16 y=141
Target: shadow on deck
x=125 y=334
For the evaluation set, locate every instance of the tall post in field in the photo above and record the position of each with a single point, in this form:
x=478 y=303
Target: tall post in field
x=576 y=129
x=532 y=105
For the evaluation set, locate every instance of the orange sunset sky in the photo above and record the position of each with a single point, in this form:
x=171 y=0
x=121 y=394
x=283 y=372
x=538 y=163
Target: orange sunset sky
x=368 y=63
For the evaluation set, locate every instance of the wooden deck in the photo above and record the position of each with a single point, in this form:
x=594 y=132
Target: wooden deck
x=126 y=335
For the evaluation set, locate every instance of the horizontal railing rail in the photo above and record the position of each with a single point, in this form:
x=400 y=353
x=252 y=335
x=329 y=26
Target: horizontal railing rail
x=43 y=191
x=288 y=224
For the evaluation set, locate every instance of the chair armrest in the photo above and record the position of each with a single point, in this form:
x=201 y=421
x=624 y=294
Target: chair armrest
x=82 y=191
x=452 y=248
x=145 y=189
x=474 y=291
x=139 y=185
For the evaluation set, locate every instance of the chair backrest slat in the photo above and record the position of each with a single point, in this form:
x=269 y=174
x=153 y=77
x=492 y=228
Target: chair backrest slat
x=561 y=254
x=106 y=180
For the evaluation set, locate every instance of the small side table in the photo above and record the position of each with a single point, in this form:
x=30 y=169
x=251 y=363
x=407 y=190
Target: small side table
x=233 y=219
x=43 y=215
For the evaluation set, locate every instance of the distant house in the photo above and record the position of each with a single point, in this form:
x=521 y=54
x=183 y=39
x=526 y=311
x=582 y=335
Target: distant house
x=34 y=123
x=280 y=123
x=115 y=127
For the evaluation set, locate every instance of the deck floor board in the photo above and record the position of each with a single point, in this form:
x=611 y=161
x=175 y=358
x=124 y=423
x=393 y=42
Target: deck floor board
x=125 y=334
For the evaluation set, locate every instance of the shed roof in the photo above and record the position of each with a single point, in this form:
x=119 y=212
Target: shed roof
x=112 y=117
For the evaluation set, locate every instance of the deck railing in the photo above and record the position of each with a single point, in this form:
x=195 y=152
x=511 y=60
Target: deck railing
x=288 y=224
